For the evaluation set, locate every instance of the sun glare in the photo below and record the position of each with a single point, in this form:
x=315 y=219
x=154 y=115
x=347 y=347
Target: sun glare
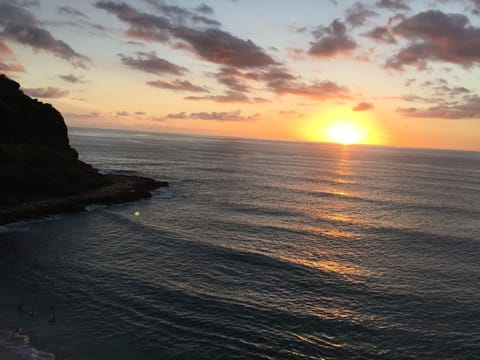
x=344 y=134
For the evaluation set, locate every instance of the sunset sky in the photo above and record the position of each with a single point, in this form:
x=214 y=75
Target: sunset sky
x=399 y=72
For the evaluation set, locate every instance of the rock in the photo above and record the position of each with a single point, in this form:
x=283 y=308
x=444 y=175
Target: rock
x=40 y=172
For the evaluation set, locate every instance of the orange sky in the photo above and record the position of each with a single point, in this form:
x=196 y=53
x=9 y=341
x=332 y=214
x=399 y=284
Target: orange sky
x=400 y=73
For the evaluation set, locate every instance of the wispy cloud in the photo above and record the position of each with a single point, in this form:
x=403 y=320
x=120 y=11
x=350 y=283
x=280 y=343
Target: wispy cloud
x=8 y=62
x=48 y=92
x=21 y=26
x=177 y=85
x=332 y=40
x=363 y=106
x=468 y=109
x=72 y=79
x=212 y=116
x=151 y=63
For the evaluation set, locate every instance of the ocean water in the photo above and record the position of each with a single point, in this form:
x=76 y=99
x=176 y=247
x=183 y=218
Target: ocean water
x=259 y=249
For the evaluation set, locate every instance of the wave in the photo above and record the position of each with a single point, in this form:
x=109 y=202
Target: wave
x=19 y=343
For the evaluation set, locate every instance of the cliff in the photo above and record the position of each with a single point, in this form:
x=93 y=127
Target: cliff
x=40 y=172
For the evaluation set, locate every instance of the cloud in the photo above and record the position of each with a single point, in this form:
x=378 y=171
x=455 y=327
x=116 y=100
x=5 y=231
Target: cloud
x=320 y=90
x=358 y=14
x=363 y=106
x=71 y=79
x=205 y=20
x=8 y=62
x=90 y=115
x=290 y=114
x=21 y=26
x=122 y=113
x=469 y=109
x=393 y=4
x=381 y=34
x=220 y=47
x=49 y=92
x=451 y=91
x=151 y=63
x=204 y=9
x=212 y=45
x=142 y=25
x=212 y=116
x=67 y=10
x=177 y=85
x=181 y=16
x=229 y=97
x=332 y=40
x=435 y=36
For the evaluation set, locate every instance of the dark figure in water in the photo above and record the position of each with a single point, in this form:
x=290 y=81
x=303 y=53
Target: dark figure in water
x=52 y=320
x=32 y=313
x=17 y=330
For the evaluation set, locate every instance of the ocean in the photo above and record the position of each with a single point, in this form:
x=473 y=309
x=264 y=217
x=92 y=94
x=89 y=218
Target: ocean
x=257 y=250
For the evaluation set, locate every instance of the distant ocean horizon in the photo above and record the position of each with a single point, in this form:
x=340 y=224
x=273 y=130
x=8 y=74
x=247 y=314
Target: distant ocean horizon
x=259 y=249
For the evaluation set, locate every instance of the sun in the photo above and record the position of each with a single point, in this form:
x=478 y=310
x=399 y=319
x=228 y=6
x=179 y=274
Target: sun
x=344 y=134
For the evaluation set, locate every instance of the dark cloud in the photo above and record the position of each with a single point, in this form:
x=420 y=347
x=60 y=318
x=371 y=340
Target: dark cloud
x=451 y=91
x=8 y=62
x=21 y=26
x=213 y=45
x=212 y=116
x=363 y=106
x=49 y=92
x=223 y=48
x=67 y=10
x=205 y=20
x=122 y=113
x=358 y=14
x=393 y=4
x=142 y=25
x=72 y=79
x=151 y=63
x=181 y=16
x=204 y=9
x=469 y=109
x=320 y=90
x=381 y=34
x=228 y=97
x=232 y=79
x=332 y=40
x=42 y=39
x=435 y=36
x=177 y=85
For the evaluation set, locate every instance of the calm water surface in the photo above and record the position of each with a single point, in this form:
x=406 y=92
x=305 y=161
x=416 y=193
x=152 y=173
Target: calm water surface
x=258 y=249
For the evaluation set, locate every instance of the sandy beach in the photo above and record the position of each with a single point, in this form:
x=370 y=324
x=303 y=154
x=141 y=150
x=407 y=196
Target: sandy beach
x=7 y=355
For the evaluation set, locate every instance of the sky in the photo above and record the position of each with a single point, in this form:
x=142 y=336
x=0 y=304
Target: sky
x=384 y=72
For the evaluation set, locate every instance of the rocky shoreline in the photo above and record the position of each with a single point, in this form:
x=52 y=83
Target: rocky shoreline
x=122 y=189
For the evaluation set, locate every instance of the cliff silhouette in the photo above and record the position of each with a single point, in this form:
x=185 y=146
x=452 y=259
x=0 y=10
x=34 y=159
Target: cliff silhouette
x=40 y=172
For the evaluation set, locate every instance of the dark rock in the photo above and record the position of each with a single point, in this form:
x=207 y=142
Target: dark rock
x=40 y=172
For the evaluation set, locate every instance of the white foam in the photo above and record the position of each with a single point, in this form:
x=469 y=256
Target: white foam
x=19 y=343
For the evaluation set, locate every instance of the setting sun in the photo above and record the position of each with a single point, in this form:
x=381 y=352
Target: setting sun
x=344 y=134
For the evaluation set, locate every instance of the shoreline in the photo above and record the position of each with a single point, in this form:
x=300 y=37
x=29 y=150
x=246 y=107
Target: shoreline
x=123 y=189
x=6 y=354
